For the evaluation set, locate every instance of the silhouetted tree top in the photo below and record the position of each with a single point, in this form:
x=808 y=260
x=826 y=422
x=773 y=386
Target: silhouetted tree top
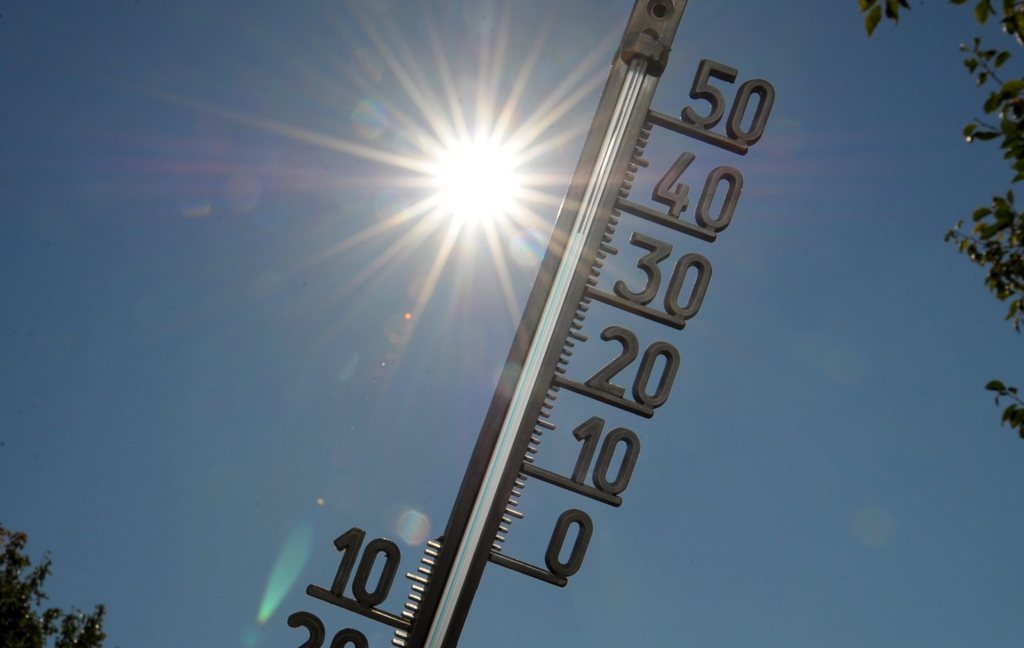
x=23 y=622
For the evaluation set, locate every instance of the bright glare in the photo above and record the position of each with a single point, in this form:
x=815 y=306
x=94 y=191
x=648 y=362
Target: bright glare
x=477 y=181
x=287 y=569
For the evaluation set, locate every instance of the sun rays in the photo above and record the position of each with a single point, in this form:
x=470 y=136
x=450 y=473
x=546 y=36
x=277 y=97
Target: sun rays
x=462 y=139
x=464 y=145
x=480 y=188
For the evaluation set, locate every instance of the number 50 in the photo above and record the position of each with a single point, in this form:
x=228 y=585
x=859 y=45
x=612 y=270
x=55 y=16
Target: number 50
x=702 y=90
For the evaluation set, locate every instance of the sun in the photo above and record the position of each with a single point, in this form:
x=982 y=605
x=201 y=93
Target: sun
x=477 y=181
x=468 y=162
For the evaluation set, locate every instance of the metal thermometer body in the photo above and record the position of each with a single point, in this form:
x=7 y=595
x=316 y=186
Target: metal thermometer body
x=444 y=584
x=546 y=331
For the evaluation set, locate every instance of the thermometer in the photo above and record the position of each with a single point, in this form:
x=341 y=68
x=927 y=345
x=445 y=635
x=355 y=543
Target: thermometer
x=539 y=365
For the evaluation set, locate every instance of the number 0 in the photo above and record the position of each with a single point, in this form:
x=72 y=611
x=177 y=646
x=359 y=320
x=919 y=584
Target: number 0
x=579 y=547
x=387 y=575
x=734 y=179
x=668 y=374
x=604 y=460
x=700 y=263
x=766 y=95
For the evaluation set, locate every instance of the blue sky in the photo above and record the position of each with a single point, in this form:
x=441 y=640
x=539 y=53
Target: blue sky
x=207 y=375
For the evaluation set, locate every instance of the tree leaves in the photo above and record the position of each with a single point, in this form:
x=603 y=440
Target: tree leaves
x=982 y=11
x=21 y=590
x=1013 y=20
x=1014 y=412
x=873 y=18
x=875 y=10
x=995 y=240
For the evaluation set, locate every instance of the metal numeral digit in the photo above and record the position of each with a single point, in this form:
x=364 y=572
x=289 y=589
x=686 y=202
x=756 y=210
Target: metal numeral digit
x=312 y=624
x=604 y=460
x=630 y=349
x=677 y=199
x=659 y=251
x=712 y=95
x=734 y=179
x=579 y=546
x=348 y=544
x=392 y=557
x=668 y=374
x=700 y=286
x=588 y=432
x=349 y=636
x=315 y=627
x=766 y=94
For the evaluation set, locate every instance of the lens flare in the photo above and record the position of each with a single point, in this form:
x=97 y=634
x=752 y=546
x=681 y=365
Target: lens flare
x=527 y=247
x=367 y=65
x=348 y=369
x=286 y=570
x=252 y=638
x=398 y=330
x=242 y=192
x=413 y=527
x=195 y=208
x=874 y=526
x=465 y=165
x=369 y=119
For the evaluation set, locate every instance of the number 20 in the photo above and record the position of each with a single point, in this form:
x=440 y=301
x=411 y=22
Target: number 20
x=315 y=627
x=630 y=350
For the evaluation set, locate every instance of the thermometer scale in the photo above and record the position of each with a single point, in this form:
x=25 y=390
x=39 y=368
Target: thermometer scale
x=539 y=368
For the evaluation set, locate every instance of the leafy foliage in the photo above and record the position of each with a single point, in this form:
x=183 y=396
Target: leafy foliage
x=21 y=593
x=995 y=240
x=1014 y=412
x=874 y=10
